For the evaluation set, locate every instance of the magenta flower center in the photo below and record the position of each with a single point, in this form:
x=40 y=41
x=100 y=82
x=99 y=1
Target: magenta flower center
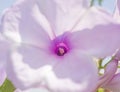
x=61 y=49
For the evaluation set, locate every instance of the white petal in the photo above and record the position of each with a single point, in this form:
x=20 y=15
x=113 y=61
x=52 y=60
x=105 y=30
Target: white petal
x=23 y=22
x=27 y=66
x=34 y=68
x=63 y=14
x=73 y=73
x=53 y=15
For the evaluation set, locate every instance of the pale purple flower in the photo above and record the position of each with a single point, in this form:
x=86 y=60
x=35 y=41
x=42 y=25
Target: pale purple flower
x=53 y=42
x=111 y=80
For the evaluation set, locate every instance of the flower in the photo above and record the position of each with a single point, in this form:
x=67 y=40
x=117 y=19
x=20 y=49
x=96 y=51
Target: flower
x=53 y=42
x=111 y=80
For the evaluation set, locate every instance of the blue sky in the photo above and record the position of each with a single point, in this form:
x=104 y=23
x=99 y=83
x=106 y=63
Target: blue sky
x=5 y=3
x=109 y=5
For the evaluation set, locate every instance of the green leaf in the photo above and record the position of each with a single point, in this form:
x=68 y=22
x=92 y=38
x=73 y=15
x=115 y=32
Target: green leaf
x=7 y=86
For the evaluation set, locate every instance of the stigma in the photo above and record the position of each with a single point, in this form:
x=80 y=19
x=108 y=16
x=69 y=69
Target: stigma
x=61 y=49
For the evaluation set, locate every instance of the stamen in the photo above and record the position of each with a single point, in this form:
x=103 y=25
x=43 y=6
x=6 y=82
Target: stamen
x=61 y=49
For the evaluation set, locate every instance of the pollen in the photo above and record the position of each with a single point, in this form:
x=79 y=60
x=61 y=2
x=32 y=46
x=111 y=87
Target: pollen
x=61 y=49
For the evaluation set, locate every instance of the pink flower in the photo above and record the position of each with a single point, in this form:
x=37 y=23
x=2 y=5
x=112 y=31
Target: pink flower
x=111 y=80
x=53 y=42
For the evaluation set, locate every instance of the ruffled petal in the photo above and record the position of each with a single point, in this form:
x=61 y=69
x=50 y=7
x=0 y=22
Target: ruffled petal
x=49 y=18
x=75 y=15
x=47 y=15
x=101 y=41
x=74 y=72
x=24 y=23
x=34 y=68
x=67 y=14
x=28 y=65
x=63 y=14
